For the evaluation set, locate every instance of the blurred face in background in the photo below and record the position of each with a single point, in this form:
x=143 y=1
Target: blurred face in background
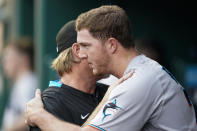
x=11 y=62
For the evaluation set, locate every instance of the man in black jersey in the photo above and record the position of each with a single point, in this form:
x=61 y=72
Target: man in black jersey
x=76 y=94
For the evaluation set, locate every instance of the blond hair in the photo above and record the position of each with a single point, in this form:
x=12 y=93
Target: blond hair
x=63 y=63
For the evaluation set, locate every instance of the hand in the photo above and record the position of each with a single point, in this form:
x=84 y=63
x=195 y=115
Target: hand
x=34 y=109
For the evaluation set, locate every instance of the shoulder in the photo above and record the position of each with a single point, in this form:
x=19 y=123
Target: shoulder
x=147 y=72
x=55 y=88
x=53 y=93
x=49 y=96
x=55 y=100
x=56 y=93
x=144 y=82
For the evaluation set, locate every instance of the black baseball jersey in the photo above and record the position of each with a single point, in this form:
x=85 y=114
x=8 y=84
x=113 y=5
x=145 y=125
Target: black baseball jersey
x=70 y=104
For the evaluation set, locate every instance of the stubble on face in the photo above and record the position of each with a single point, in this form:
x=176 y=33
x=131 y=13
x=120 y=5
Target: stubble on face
x=94 y=51
x=101 y=63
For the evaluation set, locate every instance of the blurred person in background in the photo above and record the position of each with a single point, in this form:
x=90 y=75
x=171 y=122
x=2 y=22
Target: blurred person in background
x=1 y=82
x=18 y=64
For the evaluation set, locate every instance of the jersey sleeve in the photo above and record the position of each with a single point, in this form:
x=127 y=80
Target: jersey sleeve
x=128 y=106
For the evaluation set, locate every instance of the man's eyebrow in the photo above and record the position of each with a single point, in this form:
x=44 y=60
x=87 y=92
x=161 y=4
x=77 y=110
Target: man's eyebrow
x=83 y=43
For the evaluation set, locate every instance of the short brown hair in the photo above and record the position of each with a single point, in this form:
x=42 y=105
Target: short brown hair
x=105 y=22
x=63 y=63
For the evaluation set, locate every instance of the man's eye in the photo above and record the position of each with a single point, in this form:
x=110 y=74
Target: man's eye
x=85 y=46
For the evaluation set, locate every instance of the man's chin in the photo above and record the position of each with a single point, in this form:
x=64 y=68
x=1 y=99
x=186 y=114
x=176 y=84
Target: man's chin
x=99 y=75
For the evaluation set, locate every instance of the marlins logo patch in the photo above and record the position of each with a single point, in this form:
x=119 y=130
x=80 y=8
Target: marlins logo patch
x=109 y=109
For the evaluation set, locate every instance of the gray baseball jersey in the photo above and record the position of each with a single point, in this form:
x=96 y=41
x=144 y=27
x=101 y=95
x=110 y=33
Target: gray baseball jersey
x=151 y=100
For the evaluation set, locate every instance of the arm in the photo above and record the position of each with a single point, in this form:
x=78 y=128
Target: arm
x=36 y=115
x=52 y=105
x=45 y=120
x=19 y=125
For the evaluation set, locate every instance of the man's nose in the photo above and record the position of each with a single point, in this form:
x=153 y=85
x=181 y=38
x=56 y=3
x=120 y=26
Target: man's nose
x=82 y=55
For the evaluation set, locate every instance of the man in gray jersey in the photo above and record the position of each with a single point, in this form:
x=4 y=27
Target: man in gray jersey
x=150 y=100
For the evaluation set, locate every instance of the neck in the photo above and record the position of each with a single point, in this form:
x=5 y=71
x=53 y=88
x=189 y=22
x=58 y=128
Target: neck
x=122 y=59
x=79 y=81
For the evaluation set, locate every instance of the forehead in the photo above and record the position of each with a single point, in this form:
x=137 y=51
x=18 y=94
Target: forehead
x=84 y=36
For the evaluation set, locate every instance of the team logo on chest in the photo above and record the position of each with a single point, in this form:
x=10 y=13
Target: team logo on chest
x=110 y=109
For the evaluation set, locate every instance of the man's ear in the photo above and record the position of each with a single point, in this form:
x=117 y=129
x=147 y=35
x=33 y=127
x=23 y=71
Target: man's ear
x=112 y=45
x=75 y=49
